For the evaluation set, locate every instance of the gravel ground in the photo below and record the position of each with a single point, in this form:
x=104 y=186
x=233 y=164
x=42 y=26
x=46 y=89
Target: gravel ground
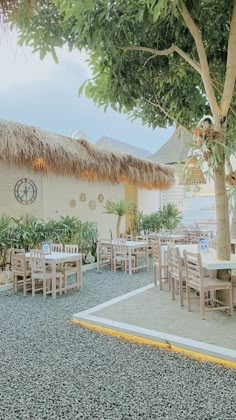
x=50 y=369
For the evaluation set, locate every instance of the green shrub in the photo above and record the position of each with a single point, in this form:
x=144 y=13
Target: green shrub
x=29 y=232
x=169 y=217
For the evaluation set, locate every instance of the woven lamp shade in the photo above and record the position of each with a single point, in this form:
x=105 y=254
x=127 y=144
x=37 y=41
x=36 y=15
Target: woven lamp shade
x=192 y=174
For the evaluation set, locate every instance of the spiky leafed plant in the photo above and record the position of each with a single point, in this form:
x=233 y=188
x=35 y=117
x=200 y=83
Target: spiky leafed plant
x=170 y=216
x=120 y=208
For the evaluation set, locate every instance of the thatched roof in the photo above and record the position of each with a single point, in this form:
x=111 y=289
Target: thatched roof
x=31 y=147
x=175 y=149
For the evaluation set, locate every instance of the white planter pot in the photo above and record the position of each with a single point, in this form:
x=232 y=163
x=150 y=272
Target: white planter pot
x=6 y=277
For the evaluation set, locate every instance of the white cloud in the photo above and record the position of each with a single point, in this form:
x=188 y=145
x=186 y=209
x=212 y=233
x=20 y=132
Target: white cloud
x=20 y=67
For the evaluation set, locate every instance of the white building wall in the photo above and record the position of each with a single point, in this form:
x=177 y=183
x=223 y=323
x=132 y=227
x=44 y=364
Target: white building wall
x=149 y=201
x=9 y=175
x=60 y=196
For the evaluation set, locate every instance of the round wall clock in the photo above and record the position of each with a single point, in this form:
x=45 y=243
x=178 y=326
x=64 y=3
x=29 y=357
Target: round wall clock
x=25 y=191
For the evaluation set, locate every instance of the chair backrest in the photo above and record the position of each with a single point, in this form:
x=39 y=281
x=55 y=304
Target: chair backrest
x=156 y=251
x=119 y=246
x=141 y=238
x=37 y=261
x=104 y=246
x=193 y=267
x=193 y=236
x=18 y=261
x=71 y=248
x=164 y=236
x=57 y=247
x=174 y=261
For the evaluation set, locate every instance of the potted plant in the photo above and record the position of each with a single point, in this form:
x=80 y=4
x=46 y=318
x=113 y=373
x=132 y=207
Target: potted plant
x=120 y=208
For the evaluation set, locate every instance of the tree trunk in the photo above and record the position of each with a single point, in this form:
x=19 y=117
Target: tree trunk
x=233 y=225
x=222 y=219
x=222 y=214
x=221 y=200
x=118 y=226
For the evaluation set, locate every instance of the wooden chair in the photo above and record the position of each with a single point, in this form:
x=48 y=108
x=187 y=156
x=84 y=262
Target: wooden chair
x=104 y=253
x=140 y=252
x=42 y=275
x=176 y=273
x=120 y=255
x=57 y=247
x=205 y=286
x=71 y=248
x=21 y=271
x=70 y=268
x=158 y=264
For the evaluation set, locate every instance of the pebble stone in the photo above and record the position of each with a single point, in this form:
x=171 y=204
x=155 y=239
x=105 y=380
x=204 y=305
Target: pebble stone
x=51 y=369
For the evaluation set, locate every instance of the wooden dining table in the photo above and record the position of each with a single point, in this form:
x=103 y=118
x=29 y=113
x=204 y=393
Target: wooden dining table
x=209 y=258
x=56 y=258
x=132 y=246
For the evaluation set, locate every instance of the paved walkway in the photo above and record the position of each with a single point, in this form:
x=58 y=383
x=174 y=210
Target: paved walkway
x=149 y=311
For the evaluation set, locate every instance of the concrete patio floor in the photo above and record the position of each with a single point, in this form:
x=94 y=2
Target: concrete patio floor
x=151 y=314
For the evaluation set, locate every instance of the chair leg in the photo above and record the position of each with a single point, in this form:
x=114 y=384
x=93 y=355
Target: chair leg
x=173 y=288
x=230 y=311
x=160 y=276
x=188 y=297
x=181 y=293
x=16 y=283
x=202 y=306
x=169 y=279
x=33 y=287
x=154 y=275
x=44 y=288
x=24 y=285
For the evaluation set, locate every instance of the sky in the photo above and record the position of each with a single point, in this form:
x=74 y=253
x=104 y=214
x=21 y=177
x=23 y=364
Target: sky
x=45 y=94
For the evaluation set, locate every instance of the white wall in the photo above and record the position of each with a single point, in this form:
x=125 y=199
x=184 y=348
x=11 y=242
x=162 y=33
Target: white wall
x=54 y=195
x=149 y=200
x=9 y=175
x=59 y=191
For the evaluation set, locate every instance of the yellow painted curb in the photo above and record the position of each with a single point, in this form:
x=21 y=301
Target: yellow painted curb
x=164 y=345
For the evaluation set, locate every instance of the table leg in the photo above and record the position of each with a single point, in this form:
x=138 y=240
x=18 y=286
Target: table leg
x=79 y=273
x=147 y=258
x=53 y=279
x=130 y=262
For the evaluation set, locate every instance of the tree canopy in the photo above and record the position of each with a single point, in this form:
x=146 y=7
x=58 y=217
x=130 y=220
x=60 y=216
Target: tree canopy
x=124 y=38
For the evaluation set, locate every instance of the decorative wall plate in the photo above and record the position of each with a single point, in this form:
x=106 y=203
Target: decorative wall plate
x=82 y=197
x=25 y=191
x=72 y=204
x=100 y=198
x=92 y=205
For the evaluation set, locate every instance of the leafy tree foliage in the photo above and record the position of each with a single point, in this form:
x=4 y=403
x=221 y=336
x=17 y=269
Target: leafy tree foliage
x=158 y=89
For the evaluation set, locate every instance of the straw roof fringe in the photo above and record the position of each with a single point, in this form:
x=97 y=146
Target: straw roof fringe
x=30 y=147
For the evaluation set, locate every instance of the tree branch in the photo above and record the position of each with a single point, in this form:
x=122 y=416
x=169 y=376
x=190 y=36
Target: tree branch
x=168 y=51
x=158 y=105
x=205 y=72
x=230 y=67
